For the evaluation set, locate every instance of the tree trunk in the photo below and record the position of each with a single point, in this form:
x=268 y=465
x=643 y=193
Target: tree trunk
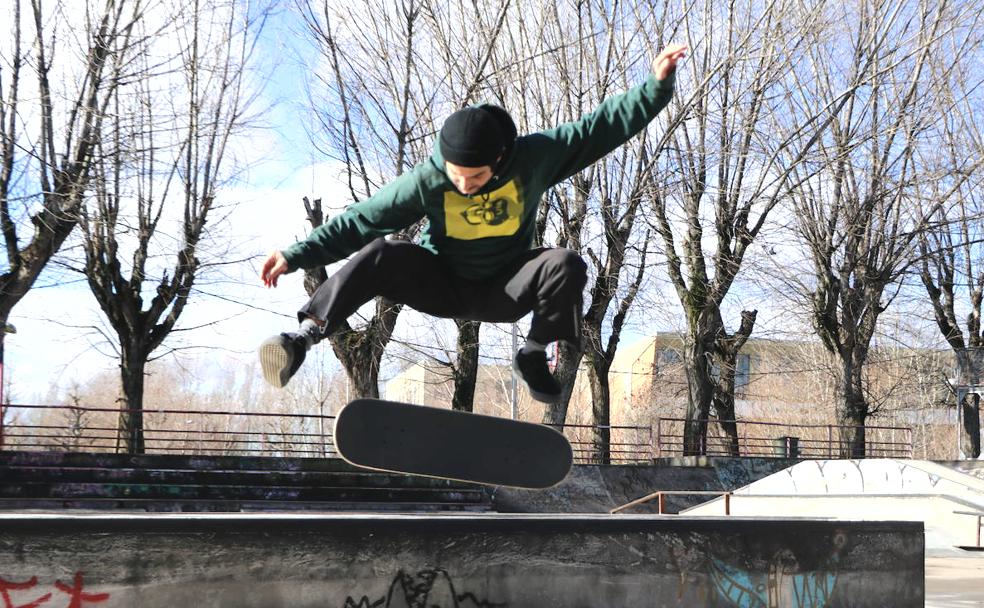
x=360 y=352
x=598 y=367
x=970 y=441
x=724 y=409
x=727 y=349
x=568 y=361
x=852 y=412
x=466 y=366
x=601 y=436
x=4 y=396
x=724 y=403
x=131 y=417
x=700 y=393
x=697 y=355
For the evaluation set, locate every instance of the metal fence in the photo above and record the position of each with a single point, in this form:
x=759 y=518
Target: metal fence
x=774 y=439
x=197 y=432
x=626 y=444
x=238 y=433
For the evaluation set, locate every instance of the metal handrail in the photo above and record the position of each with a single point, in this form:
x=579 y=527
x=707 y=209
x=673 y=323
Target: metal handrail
x=662 y=494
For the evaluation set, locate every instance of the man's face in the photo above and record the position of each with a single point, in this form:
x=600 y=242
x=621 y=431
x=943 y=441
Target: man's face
x=468 y=180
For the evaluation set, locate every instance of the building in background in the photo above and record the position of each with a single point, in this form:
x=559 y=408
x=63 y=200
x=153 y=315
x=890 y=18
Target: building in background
x=778 y=381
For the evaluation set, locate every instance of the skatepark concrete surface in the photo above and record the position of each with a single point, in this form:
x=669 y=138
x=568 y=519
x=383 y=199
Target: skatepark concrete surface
x=955 y=581
x=944 y=499
x=461 y=561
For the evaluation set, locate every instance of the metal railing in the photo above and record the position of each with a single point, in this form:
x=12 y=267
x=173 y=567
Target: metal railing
x=980 y=526
x=626 y=444
x=230 y=433
x=238 y=433
x=661 y=495
x=196 y=432
x=775 y=439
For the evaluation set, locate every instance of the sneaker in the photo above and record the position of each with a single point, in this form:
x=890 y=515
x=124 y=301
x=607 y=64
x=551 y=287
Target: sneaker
x=532 y=369
x=281 y=356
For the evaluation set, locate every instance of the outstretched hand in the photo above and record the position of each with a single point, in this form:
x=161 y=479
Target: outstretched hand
x=665 y=62
x=274 y=266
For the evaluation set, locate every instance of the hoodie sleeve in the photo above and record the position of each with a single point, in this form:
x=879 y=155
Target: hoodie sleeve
x=576 y=145
x=394 y=207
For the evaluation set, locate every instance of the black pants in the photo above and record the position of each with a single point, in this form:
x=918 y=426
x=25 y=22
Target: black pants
x=548 y=282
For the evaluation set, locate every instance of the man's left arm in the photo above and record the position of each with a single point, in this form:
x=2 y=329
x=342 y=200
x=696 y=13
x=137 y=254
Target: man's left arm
x=577 y=145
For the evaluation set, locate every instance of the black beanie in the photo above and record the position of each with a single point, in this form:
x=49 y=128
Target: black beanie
x=473 y=137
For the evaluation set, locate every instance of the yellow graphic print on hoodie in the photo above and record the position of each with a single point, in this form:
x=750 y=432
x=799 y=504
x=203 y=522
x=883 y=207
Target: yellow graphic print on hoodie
x=495 y=213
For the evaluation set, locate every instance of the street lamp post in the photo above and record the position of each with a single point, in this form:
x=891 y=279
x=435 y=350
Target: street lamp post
x=7 y=329
x=513 y=392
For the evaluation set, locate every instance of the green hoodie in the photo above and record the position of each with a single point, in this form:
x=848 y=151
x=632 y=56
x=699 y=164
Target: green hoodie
x=479 y=234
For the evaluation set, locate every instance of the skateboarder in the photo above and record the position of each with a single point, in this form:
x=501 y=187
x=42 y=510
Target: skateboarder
x=479 y=191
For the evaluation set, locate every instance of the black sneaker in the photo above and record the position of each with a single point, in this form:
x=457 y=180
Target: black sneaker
x=281 y=356
x=532 y=369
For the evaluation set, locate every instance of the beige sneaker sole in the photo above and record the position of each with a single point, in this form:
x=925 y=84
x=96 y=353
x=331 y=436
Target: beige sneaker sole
x=275 y=360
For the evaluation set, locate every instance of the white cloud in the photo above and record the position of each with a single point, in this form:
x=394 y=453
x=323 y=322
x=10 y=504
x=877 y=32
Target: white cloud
x=56 y=345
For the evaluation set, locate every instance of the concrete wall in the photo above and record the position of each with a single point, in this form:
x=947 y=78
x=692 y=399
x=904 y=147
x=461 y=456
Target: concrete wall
x=456 y=561
x=946 y=526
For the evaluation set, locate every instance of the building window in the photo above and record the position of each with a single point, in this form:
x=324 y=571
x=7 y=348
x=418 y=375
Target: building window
x=666 y=357
x=742 y=375
x=743 y=366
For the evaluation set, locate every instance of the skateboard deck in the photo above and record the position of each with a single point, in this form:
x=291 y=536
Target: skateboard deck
x=436 y=442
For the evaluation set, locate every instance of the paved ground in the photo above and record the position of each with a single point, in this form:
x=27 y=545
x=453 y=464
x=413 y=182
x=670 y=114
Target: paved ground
x=955 y=582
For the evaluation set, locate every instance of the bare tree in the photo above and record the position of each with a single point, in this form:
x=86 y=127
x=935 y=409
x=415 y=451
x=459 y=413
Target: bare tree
x=75 y=423
x=730 y=159
x=855 y=198
x=49 y=139
x=155 y=159
x=950 y=248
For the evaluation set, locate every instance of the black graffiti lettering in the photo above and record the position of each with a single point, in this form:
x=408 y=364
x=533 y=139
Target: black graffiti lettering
x=431 y=587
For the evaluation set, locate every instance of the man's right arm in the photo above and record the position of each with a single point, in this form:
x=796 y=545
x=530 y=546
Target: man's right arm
x=394 y=207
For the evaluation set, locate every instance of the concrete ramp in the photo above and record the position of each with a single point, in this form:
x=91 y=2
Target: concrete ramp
x=871 y=476
x=456 y=561
x=870 y=490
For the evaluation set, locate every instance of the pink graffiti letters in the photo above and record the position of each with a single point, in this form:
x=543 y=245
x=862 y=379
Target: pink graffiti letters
x=77 y=596
x=7 y=586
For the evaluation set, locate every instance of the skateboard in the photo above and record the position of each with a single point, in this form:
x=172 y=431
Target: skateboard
x=448 y=444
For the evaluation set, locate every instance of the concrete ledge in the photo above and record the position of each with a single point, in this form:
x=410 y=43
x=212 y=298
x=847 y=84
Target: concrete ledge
x=307 y=560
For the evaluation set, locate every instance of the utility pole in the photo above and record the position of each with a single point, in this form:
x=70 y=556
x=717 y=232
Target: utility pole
x=7 y=329
x=514 y=393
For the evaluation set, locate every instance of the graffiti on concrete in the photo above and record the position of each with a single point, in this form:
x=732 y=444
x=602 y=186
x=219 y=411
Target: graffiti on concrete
x=734 y=473
x=782 y=584
x=429 y=588
x=11 y=592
